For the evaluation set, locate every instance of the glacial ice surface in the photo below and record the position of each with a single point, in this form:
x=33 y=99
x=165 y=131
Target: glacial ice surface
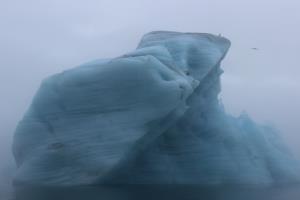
x=151 y=116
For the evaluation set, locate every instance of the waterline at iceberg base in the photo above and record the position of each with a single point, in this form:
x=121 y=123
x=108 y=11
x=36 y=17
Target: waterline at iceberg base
x=150 y=117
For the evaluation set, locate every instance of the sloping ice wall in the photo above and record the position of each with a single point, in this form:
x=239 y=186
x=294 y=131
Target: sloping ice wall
x=151 y=116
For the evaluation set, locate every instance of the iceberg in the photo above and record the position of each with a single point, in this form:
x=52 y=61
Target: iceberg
x=151 y=116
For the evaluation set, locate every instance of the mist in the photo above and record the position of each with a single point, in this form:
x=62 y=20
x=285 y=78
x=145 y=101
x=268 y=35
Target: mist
x=42 y=38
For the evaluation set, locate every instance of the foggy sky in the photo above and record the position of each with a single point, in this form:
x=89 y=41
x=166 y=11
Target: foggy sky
x=39 y=38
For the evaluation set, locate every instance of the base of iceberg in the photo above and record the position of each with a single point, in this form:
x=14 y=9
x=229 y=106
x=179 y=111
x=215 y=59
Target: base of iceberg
x=151 y=116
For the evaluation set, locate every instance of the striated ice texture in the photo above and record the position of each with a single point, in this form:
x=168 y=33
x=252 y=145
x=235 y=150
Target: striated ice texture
x=151 y=116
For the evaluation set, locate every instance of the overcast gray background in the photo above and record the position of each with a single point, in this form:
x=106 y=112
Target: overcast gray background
x=39 y=38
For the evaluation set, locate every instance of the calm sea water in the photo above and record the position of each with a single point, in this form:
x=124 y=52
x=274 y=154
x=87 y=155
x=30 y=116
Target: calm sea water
x=157 y=192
